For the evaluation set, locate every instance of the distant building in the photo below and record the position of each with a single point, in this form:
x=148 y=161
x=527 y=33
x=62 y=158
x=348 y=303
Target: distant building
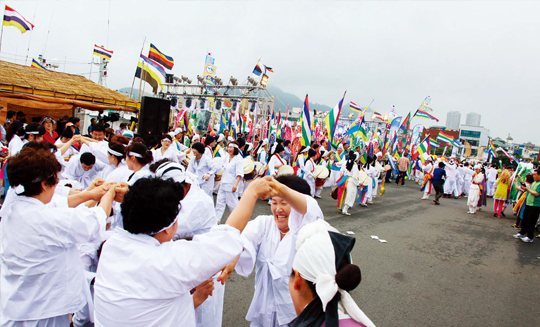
x=473 y=119
x=475 y=135
x=453 y=120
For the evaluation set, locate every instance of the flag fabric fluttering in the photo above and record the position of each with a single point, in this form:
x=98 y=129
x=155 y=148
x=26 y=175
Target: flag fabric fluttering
x=354 y=107
x=433 y=143
x=423 y=148
x=102 y=52
x=160 y=57
x=492 y=148
x=13 y=18
x=269 y=69
x=425 y=115
x=425 y=104
x=445 y=138
x=331 y=120
x=258 y=69
x=405 y=124
x=306 y=124
x=377 y=115
x=151 y=72
x=36 y=64
x=506 y=154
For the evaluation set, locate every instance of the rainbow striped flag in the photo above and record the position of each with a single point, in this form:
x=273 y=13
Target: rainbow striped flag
x=445 y=138
x=102 y=52
x=331 y=120
x=433 y=143
x=160 y=57
x=425 y=115
x=13 y=18
x=492 y=148
x=36 y=64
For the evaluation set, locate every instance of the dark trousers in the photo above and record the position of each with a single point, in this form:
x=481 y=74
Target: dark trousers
x=402 y=177
x=439 y=191
x=530 y=217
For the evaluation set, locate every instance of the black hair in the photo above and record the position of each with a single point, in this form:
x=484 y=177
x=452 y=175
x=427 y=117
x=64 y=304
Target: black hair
x=235 y=149
x=34 y=127
x=295 y=182
x=67 y=133
x=350 y=160
x=279 y=148
x=316 y=146
x=208 y=140
x=299 y=152
x=32 y=166
x=311 y=153
x=466 y=164
x=75 y=120
x=118 y=147
x=41 y=145
x=10 y=114
x=150 y=205
x=98 y=128
x=199 y=147
x=241 y=142
x=529 y=178
x=441 y=164
x=13 y=129
x=155 y=165
x=286 y=143
x=87 y=158
x=142 y=150
x=21 y=114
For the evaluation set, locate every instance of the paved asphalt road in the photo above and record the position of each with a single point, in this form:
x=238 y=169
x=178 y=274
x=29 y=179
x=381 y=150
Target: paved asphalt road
x=440 y=267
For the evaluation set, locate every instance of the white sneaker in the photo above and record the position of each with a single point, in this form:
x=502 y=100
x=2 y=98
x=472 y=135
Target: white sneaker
x=526 y=239
x=518 y=235
x=345 y=213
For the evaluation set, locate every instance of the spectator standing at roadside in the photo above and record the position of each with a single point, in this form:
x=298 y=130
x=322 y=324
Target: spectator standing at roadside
x=403 y=166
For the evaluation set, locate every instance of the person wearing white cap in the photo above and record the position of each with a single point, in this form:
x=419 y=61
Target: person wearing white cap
x=262 y=153
x=323 y=275
x=218 y=150
x=474 y=192
x=450 y=186
x=309 y=169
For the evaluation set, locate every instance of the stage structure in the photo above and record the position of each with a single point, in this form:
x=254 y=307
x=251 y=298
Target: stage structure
x=255 y=101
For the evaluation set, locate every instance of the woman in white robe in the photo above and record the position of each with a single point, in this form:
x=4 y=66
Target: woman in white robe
x=276 y=161
x=269 y=243
x=166 y=150
x=309 y=169
x=196 y=217
x=138 y=158
x=209 y=144
x=143 y=278
x=202 y=166
x=262 y=153
x=300 y=161
x=233 y=172
x=351 y=170
x=373 y=174
x=42 y=277
x=474 y=190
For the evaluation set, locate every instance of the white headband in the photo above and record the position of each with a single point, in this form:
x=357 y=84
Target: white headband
x=234 y=145
x=33 y=132
x=167 y=227
x=135 y=154
x=116 y=153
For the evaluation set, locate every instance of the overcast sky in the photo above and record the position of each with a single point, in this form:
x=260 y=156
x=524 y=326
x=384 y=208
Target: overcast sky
x=468 y=56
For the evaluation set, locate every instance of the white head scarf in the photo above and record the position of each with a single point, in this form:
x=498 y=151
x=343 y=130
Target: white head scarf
x=315 y=261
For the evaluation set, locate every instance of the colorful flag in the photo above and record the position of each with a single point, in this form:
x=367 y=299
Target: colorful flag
x=268 y=69
x=160 y=57
x=425 y=115
x=151 y=72
x=423 y=148
x=425 y=104
x=405 y=125
x=257 y=70
x=306 y=124
x=377 y=115
x=102 y=52
x=13 y=18
x=36 y=64
x=492 y=148
x=445 y=138
x=331 y=120
x=354 y=107
x=433 y=143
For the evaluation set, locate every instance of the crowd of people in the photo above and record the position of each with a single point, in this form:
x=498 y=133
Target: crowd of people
x=108 y=229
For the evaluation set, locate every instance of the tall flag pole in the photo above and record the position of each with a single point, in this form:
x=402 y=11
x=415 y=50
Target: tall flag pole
x=306 y=124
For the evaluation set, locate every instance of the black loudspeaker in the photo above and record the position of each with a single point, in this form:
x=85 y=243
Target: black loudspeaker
x=169 y=78
x=154 y=116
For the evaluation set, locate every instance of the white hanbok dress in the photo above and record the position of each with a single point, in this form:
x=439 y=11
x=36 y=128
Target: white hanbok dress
x=309 y=169
x=42 y=275
x=74 y=171
x=203 y=167
x=140 y=282
x=170 y=154
x=231 y=170
x=273 y=257
x=474 y=192
x=144 y=172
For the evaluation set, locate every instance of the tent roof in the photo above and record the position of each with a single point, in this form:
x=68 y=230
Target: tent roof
x=28 y=80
